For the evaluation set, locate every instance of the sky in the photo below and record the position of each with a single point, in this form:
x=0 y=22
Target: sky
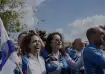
x=70 y=17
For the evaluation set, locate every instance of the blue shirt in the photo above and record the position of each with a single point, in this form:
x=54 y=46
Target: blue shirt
x=44 y=53
x=73 y=54
x=94 y=61
x=51 y=67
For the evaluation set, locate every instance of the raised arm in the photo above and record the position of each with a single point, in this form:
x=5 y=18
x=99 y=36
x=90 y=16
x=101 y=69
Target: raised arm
x=72 y=64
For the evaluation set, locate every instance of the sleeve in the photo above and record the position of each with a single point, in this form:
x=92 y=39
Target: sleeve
x=95 y=57
x=72 y=64
x=50 y=65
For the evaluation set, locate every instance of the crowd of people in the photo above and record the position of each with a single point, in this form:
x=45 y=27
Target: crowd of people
x=41 y=54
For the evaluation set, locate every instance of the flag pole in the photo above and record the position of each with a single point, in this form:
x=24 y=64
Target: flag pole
x=20 y=69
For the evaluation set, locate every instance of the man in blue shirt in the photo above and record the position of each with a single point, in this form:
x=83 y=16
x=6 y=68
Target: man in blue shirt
x=94 y=61
x=75 y=54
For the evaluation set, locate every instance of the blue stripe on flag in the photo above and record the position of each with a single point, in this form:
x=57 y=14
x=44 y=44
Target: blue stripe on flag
x=6 y=52
x=0 y=55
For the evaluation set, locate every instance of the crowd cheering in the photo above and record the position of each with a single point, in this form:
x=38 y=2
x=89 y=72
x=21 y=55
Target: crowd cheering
x=41 y=54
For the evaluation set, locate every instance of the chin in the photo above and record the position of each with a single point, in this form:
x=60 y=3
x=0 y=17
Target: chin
x=37 y=50
x=59 y=47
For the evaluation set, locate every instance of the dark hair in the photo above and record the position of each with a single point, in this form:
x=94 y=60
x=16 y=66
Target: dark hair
x=76 y=40
x=26 y=42
x=73 y=45
x=42 y=34
x=49 y=39
x=21 y=34
x=22 y=44
x=90 y=32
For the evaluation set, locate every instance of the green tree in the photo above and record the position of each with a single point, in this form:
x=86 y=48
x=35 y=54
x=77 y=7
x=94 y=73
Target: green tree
x=9 y=14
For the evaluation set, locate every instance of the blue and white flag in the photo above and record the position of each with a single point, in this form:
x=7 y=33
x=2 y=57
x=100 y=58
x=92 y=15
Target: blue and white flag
x=7 y=48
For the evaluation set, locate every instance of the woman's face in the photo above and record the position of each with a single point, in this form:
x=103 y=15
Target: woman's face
x=35 y=44
x=56 y=42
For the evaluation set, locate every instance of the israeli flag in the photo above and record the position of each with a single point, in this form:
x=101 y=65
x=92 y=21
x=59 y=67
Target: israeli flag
x=8 y=56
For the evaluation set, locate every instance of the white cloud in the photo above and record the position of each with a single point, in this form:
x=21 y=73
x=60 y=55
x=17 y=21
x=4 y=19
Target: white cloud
x=78 y=27
x=39 y=2
x=60 y=30
x=29 y=16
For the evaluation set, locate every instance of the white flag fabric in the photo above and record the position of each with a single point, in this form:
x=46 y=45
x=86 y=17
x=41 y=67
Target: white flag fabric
x=8 y=56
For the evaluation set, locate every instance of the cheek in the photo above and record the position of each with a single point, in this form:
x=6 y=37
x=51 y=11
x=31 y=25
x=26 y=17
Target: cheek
x=52 y=43
x=40 y=45
x=31 y=45
x=78 y=46
x=99 y=38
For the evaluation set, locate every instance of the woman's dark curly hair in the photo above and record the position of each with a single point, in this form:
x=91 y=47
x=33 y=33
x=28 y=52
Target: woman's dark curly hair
x=27 y=41
x=21 y=46
x=49 y=39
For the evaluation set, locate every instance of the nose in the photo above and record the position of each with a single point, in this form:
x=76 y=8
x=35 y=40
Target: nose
x=37 y=42
x=59 y=41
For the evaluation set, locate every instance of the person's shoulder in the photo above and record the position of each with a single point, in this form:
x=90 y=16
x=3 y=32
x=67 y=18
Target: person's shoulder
x=73 y=51
x=70 y=50
x=89 y=50
x=41 y=57
x=25 y=59
x=44 y=53
x=50 y=58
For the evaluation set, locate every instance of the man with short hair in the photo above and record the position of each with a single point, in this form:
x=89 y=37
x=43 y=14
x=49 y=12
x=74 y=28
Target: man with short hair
x=75 y=54
x=94 y=61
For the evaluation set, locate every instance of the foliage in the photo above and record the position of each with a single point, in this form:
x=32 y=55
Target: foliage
x=9 y=15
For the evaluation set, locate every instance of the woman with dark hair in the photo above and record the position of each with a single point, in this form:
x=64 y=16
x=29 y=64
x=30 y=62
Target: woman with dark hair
x=58 y=61
x=55 y=62
x=58 y=38
x=32 y=62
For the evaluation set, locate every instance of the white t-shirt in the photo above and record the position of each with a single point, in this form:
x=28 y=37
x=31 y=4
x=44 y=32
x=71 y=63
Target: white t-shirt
x=36 y=66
